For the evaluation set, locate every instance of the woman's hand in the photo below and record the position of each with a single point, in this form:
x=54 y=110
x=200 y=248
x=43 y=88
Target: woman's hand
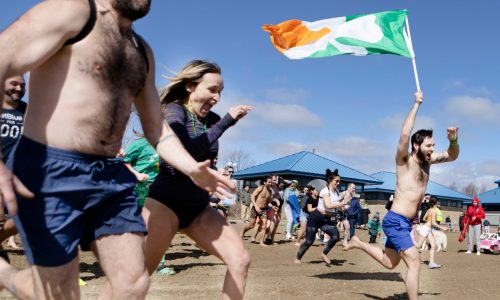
x=238 y=112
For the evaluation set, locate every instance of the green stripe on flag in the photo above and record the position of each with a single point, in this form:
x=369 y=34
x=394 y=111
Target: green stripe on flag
x=390 y=23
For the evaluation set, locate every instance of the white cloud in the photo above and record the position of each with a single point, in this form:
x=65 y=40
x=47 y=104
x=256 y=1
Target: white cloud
x=482 y=174
x=287 y=116
x=477 y=109
x=269 y=114
x=286 y=95
x=462 y=86
x=396 y=120
x=364 y=155
x=283 y=149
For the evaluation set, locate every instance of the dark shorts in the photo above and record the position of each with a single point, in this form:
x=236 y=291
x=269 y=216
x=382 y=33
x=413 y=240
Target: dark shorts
x=397 y=228
x=254 y=214
x=181 y=195
x=78 y=198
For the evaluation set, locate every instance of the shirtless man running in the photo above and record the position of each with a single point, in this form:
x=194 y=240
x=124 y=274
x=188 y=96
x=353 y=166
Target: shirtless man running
x=261 y=198
x=87 y=69
x=412 y=172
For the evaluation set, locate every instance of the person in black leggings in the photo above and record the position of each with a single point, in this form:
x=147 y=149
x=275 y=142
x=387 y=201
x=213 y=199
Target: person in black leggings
x=321 y=218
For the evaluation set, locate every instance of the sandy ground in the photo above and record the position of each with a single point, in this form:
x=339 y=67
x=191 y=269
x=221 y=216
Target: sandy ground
x=273 y=275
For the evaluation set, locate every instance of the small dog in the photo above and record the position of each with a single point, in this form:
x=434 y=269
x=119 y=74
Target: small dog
x=441 y=241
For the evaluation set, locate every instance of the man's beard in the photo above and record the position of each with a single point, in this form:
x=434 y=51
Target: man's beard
x=14 y=97
x=133 y=9
x=421 y=157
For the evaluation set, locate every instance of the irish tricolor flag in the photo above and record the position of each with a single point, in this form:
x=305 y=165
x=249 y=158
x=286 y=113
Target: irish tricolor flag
x=378 y=33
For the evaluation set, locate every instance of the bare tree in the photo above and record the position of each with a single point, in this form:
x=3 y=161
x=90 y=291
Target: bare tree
x=483 y=188
x=239 y=158
x=453 y=186
x=470 y=190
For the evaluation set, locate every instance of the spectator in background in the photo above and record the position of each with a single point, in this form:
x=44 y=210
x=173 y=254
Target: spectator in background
x=424 y=207
x=353 y=213
x=439 y=214
x=374 y=228
x=448 y=222
x=486 y=225
x=143 y=161
x=291 y=208
x=473 y=216
x=245 y=200
x=304 y=213
x=365 y=212
x=12 y=120
x=277 y=187
x=388 y=205
x=461 y=221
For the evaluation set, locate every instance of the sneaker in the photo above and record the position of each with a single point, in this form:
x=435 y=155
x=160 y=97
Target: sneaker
x=478 y=253
x=434 y=266
x=468 y=252
x=81 y=282
x=166 y=271
x=288 y=236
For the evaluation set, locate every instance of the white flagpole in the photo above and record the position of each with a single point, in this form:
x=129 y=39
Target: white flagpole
x=413 y=54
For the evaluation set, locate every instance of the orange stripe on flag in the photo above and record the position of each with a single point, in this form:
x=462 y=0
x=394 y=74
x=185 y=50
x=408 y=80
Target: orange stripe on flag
x=292 y=33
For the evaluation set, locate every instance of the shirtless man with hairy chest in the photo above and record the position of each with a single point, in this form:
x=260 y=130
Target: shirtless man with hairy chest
x=87 y=69
x=412 y=177
x=261 y=198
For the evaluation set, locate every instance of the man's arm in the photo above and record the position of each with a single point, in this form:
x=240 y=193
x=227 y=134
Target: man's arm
x=452 y=153
x=168 y=146
x=28 y=42
x=39 y=34
x=404 y=138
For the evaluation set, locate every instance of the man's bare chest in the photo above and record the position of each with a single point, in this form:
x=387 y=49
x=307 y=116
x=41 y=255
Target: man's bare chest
x=117 y=61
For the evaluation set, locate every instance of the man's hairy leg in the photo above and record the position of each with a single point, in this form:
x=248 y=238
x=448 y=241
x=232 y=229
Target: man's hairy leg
x=411 y=257
x=389 y=258
x=126 y=273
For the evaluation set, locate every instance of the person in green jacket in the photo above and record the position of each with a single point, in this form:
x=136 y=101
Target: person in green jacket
x=143 y=161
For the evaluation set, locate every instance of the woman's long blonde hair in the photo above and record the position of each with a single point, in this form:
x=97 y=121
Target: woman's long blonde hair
x=192 y=73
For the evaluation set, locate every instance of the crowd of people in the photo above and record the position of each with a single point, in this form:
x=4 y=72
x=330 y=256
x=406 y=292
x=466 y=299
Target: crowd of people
x=68 y=185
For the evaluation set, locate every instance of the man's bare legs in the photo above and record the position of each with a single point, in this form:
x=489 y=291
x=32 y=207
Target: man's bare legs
x=411 y=257
x=262 y=229
x=126 y=272
x=390 y=259
x=39 y=282
x=347 y=231
x=274 y=226
x=251 y=225
x=214 y=234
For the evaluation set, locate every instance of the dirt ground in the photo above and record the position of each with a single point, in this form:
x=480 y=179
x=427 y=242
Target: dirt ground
x=273 y=275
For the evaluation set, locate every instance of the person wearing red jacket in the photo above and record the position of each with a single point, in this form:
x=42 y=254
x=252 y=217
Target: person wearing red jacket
x=474 y=216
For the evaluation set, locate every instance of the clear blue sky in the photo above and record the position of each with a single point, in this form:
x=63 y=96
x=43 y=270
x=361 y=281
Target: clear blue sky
x=349 y=109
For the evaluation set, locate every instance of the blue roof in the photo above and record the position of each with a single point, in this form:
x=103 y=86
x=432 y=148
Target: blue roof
x=433 y=188
x=489 y=197
x=306 y=164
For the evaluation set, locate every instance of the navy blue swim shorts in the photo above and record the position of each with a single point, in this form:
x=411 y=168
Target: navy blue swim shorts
x=78 y=198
